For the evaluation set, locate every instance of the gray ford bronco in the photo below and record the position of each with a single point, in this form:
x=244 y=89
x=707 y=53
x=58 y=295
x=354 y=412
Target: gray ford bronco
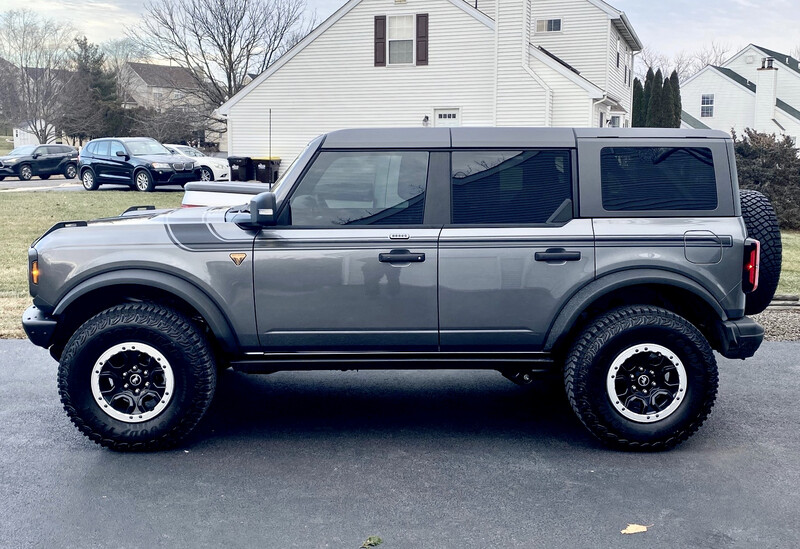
x=619 y=258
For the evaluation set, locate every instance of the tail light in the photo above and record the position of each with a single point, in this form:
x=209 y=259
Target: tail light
x=752 y=258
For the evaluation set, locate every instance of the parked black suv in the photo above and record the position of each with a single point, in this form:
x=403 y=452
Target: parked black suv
x=137 y=161
x=39 y=160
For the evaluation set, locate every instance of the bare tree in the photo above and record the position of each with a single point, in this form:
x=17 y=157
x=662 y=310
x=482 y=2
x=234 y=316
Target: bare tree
x=795 y=52
x=38 y=49
x=715 y=53
x=118 y=53
x=685 y=63
x=221 y=41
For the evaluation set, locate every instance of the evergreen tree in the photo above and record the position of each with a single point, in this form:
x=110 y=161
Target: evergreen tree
x=648 y=91
x=676 y=97
x=639 y=106
x=654 y=115
x=667 y=107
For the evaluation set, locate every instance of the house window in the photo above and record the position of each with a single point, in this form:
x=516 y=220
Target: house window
x=401 y=39
x=707 y=105
x=548 y=25
x=617 y=52
x=614 y=121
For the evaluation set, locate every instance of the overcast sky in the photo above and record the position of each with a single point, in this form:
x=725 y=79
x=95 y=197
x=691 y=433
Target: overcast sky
x=668 y=26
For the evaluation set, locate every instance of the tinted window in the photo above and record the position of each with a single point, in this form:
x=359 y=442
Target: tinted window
x=362 y=188
x=658 y=178
x=116 y=146
x=146 y=147
x=90 y=147
x=514 y=187
x=54 y=149
x=101 y=148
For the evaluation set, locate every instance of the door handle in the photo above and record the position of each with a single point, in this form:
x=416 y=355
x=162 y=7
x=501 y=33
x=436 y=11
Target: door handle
x=401 y=256
x=557 y=254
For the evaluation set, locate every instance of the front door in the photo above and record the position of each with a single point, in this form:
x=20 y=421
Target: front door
x=513 y=254
x=351 y=265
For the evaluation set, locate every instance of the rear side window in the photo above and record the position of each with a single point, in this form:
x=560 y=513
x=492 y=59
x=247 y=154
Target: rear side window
x=510 y=187
x=362 y=188
x=658 y=178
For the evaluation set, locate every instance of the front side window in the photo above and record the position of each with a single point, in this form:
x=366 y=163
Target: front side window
x=361 y=188
x=401 y=39
x=658 y=178
x=548 y=25
x=510 y=187
x=707 y=105
x=116 y=146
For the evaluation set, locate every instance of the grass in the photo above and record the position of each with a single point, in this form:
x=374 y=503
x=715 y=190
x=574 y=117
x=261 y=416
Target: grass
x=5 y=146
x=26 y=215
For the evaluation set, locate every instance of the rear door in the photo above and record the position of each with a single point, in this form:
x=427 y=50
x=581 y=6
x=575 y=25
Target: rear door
x=352 y=264
x=513 y=253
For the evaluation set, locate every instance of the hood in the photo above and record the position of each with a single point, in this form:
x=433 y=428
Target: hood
x=170 y=158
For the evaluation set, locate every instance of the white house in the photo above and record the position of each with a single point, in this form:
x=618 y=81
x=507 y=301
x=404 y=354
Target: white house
x=757 y=88
x=441 y=63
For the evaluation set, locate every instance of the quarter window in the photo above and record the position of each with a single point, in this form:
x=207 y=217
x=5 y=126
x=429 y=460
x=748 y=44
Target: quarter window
x=658 y=178
x=401 y=39
x=510 y=187
x=707 y=105
x=548 y=25
x=362 y=188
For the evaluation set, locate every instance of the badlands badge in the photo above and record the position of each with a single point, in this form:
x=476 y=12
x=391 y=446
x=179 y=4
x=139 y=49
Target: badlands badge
x=238 y=258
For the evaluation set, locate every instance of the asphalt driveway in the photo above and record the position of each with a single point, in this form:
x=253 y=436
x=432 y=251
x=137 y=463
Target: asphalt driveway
x=421 y=459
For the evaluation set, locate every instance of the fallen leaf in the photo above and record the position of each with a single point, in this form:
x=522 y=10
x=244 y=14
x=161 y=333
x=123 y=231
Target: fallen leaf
x=635 y=529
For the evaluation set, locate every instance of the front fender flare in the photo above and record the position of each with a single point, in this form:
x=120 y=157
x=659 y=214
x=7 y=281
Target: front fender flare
x=172 y=284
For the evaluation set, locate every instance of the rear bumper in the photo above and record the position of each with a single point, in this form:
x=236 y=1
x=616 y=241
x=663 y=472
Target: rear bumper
x=740 y=338
x=39 y=326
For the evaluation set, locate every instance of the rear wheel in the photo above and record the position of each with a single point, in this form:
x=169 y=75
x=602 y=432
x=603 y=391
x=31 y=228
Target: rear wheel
x=25 y=172
x=641 y=378
x=137 y=377
x=70 y=172
x=762 y=224
x=88 y=180
x=143 y=181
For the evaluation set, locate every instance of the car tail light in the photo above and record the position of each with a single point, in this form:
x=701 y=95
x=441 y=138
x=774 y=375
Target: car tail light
x=752 y=259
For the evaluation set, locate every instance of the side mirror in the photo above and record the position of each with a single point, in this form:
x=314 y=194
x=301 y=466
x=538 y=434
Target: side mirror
x=263 y=210
x=35 y=156
x=122 y=153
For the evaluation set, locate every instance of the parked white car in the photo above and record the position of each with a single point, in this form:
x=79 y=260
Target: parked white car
x=211 y=167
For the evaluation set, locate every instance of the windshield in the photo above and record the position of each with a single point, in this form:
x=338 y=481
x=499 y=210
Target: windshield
x=139 y=148
x=281 y=187
x=188 y=151
x=23 y=151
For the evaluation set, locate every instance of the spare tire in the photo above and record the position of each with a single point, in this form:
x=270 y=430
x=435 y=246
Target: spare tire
x=762 y=224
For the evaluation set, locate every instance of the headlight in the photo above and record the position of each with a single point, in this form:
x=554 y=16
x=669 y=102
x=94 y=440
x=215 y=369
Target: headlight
x=161 y=166
x=11 y=161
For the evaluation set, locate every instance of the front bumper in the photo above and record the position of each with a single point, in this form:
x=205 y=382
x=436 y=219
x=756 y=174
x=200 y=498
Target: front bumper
x=740 y=338
x=39 y=326
x=8 y=171
x=171 y=177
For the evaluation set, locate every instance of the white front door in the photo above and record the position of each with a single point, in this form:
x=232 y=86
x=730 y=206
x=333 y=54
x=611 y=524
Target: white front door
x=446 y=118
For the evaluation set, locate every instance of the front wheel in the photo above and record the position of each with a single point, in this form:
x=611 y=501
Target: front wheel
x=641 y=378
x=206 y=174
x=143 y=181
x=25 y=173
x=88 y=180
x=137 y=377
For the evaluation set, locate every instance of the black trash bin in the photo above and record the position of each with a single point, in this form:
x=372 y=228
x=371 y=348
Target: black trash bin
x=266 y=169
x=241 y=168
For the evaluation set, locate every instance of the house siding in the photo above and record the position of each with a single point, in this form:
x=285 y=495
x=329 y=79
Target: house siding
x=788 y=79
x=333 y=83
x=734 y=106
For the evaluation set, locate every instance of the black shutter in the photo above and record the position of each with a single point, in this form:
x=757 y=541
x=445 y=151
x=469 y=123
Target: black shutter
x=380 y=40
x=422 y=39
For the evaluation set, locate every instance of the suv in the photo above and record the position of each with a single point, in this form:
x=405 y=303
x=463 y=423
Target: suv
x=39 y=160
x=141 y=162
x=620 y=258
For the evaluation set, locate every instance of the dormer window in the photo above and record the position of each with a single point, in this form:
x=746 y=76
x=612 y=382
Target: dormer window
x=548 y=25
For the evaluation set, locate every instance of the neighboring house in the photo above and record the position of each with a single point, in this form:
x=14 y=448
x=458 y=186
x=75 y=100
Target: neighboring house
x=757 y=88
x=441 y=63
x=157 y=87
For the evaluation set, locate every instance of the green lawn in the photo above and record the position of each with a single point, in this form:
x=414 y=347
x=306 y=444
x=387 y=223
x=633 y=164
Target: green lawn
x=26 y=215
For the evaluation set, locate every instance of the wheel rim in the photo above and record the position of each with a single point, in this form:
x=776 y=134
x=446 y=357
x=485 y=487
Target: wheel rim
x=646 y=383
x=205 y=175
x=132 y=382
x=26 y=172
x=88 y=180
x=142 y=182
x=70 y=172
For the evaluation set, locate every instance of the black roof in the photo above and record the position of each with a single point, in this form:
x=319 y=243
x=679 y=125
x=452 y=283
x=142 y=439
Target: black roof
x=736 y=77
x=787 y=60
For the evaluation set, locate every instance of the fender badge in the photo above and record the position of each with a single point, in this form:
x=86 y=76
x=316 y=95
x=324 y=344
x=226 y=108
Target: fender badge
x=238 y=258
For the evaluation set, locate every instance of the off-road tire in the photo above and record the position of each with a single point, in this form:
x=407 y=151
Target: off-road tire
x=143 y=181
x=590 y=359
x=762 y=224
x=169 y=332
x=88 y=180
x=25 y=172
